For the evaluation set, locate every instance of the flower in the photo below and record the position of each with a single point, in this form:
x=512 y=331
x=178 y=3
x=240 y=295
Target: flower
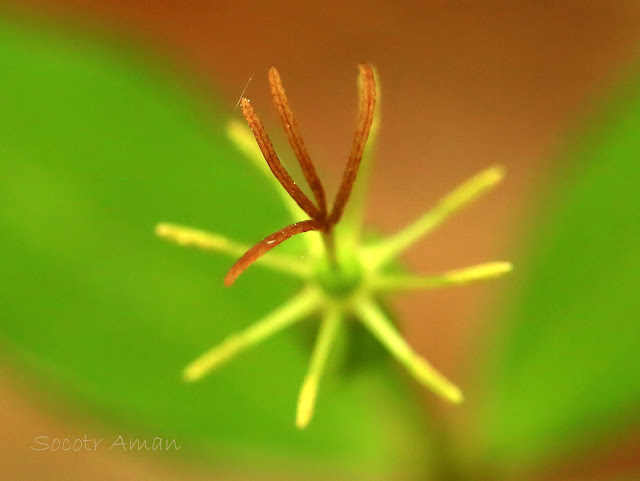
x=341 y=275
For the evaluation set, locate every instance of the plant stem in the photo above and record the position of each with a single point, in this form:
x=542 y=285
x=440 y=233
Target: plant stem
x=330 y=245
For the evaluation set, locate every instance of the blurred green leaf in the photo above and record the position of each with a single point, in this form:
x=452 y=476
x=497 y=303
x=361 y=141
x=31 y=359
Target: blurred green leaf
x=95 y=148
x=568 y=364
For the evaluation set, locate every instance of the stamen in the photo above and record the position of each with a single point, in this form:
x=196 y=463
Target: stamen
x=382 y=328
x=309 y=390
x=265 y=245
x=295 y=139
x=367 y=85
x=480 y=272
x=187 y=236
x=293 y=310
x=274 y=162
x=386 y=250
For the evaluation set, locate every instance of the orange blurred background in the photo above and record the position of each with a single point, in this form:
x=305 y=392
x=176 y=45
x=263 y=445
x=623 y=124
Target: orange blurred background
x=464 y=86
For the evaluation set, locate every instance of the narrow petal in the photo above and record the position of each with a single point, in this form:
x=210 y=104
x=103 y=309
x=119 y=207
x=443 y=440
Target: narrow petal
x=385 y=251
x=186 y=236
x=353 y=217
x=367 y=85
x=295 y=139
x=292 y=311
x=265 y=245
x=309 y=390
x=244 y=140
x=374 y=318
x=274 y=162
x=481 y=272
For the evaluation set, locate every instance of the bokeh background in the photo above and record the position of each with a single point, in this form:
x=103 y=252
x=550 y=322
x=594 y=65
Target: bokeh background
x=112 y=116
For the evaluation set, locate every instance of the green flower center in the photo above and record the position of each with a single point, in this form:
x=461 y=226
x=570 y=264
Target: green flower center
x=341 y=279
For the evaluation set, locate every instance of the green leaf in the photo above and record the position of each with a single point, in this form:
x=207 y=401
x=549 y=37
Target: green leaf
x=96 y=147
x=568 y=367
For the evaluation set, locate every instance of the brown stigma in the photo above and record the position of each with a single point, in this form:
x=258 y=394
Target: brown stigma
x=320 y=218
